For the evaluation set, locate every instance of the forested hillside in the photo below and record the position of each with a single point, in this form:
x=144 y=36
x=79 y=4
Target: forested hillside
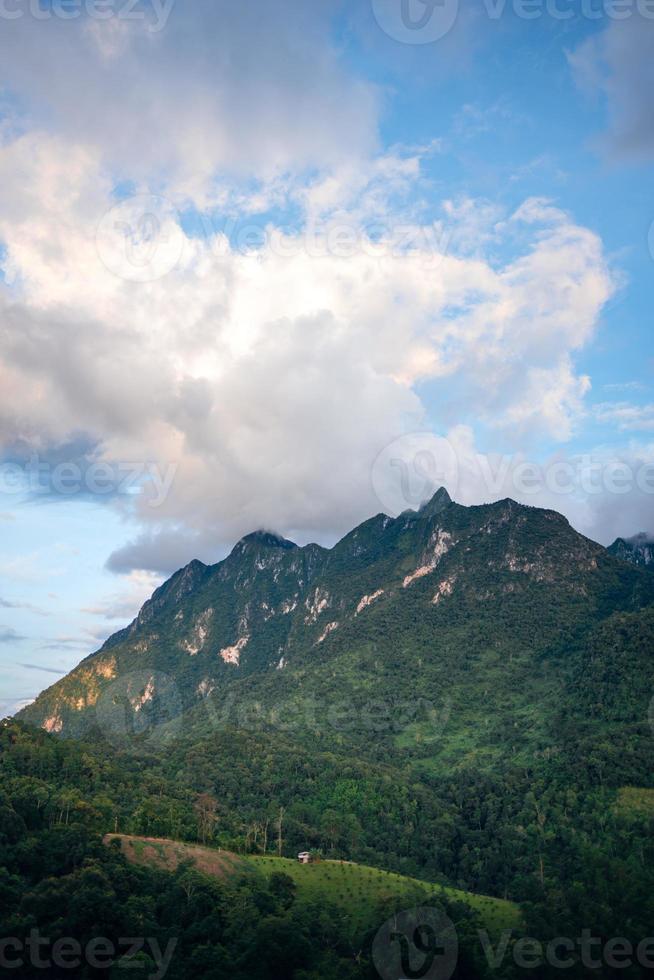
x=461 y=696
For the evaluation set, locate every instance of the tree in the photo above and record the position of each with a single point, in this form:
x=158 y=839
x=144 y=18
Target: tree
x=206 y=812
x=280 y=823
x=283 y=889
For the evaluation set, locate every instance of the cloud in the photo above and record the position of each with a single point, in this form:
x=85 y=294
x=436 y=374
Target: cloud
x=624 y=386
x=125 y=604
x=244 y=88
x=11 y=706
x=264 y=372
x=64 y=643
x=627 y=416
x=8 y=635
x=642 y=538
x=617 y=512
x=618 y=63
x=7 y=604
x=605 y=492
x=159 y=552
x=256 y=384
x=47 y=670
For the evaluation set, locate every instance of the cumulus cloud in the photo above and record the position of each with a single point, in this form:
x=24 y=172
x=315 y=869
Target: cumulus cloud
x=255 y=383
x=265 y=380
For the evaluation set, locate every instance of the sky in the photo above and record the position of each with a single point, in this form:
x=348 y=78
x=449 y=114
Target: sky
x=287 y=265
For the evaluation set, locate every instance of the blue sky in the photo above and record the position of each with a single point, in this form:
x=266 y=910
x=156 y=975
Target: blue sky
x=257 y=261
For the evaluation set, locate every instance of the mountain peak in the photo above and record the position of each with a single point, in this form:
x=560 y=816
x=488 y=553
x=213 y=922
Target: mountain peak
x=440 y=500
x=265 y=539
x=638 y=550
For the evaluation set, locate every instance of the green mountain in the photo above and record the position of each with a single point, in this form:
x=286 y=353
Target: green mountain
x=460 y=695
x=452 y=635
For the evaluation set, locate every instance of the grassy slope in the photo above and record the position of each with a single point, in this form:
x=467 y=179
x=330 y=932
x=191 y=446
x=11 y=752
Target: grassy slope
x=361 y=892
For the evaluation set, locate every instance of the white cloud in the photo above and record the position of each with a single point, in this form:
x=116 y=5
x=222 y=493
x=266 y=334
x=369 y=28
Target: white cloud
x=627 y=416
x=272 y=377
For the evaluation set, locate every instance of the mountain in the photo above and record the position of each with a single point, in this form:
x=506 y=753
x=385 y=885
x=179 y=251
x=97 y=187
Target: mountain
x=461 y=695
x=638 y=550
x=456 y=634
